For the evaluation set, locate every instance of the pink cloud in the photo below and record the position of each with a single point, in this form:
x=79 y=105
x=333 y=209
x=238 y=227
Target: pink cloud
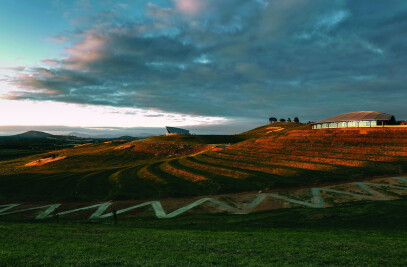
x=79 y=57
x=91 y=49
x=16 y=68
x=43 y=73
x=51 y=92
x=190 y=7
x=28 y=81
x=51 y=62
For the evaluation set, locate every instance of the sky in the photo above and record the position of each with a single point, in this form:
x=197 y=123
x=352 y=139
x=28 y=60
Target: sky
x=212 y=66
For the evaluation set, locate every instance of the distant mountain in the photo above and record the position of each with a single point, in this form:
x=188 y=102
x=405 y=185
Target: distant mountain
x=144 y=135
x=80 y=135
x=105 y=136
x=33 y=134
x=71 y=136
x=36 y=140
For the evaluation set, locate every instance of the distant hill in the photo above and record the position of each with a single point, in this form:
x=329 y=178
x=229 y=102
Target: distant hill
x=33 y=134
x=110 y=137
x=40 y=141
x=80 y=135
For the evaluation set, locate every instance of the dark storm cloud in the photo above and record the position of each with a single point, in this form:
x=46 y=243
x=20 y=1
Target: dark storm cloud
x=236 y=59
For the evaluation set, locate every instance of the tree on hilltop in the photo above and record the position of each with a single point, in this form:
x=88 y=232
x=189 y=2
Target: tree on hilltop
x=289 y=120
x=272 y=119
x=282 y=120
x=296 y=120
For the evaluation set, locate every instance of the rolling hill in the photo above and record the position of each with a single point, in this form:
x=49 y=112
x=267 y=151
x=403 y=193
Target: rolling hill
x=35 y=142
x=275 y=156
x=33 y=134
x=40 y=141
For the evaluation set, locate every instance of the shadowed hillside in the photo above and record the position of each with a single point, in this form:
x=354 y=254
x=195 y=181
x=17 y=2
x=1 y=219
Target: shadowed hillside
x=275 y=156
x=33 y=134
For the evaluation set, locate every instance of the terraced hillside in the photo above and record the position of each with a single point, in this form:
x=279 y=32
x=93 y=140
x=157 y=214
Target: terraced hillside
x=276 y=156
x=199 y=139
x=293 y=159
x=89 y=171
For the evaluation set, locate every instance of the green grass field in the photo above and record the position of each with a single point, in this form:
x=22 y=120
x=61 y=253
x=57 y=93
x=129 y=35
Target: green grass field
x=364 y=234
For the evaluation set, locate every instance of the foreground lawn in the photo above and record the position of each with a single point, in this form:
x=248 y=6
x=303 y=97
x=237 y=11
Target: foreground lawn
x=300 y=237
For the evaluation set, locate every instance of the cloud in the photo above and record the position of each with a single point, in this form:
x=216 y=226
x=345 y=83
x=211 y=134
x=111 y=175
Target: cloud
x=52 y=113
x=17 y=68
x=329 y=21
x=190 y=7
x=234 y=58
x=91 y=49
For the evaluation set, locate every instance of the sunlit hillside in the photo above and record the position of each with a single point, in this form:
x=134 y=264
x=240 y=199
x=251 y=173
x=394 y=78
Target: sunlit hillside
x=198 y=139
x=274 y=156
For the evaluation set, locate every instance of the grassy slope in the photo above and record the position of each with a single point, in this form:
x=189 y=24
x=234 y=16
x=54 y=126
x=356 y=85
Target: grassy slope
x=9 y=154
x=90 y=172
x=266 y=129
x=198 y=139
x=372 y=234
x=294 y=156
x=41 y=143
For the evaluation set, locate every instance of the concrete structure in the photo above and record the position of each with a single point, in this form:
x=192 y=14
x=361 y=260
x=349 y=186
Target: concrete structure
x=356 y=119
x=175 y=131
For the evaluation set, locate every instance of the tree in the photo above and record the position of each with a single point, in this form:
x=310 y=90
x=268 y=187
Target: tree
x=282 y=120
x=296 y=120
x=392 y=120
x=272 y=119
x=289 y=120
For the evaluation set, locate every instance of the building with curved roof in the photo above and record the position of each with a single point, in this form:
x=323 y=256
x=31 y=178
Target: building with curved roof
x=355 y=119
x=174 y=130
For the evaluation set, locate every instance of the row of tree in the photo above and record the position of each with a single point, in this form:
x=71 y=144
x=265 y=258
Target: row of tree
x=274 y=119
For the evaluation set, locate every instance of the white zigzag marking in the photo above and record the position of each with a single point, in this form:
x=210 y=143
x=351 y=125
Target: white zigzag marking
x=7 y=207
x=101 y=208
x=403 y=179
x=316 y=202
x=160 y=213
x=44 y=210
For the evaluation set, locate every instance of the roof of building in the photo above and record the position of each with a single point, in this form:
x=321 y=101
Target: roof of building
x=359 y=116
x=176 y=130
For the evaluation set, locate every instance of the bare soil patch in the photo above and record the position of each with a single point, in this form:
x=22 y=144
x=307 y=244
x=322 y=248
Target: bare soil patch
x=43 y=161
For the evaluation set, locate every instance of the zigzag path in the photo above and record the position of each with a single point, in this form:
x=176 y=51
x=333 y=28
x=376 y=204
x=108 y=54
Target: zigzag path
x=375 y=190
